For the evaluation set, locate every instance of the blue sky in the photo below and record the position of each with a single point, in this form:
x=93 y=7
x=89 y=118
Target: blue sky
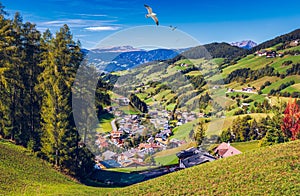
x=207 y=21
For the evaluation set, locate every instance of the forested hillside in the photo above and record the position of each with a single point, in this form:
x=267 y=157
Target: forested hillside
x=37 y=72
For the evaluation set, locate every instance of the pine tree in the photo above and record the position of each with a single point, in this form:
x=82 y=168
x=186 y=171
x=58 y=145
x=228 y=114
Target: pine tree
x=18 y=79
x=13 y=75
x=226 y=135
x=55 y=106
x=5 y=38
x=60 y=140
x=31 y=58
x=199 y=132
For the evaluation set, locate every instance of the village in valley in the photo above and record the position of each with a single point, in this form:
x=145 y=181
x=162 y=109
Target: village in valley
x=135 y=138
x=146 y=135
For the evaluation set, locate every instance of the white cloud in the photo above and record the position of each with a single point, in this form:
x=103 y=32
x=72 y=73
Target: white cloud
x=102 y=28
x=71 y=22
x=80 y=35
x=75 y=23
x=93 y=15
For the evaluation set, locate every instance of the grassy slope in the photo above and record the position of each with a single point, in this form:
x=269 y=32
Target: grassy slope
x=167 y=160
x=182 y=132
x=293 y=88
x=276 y=85
x=216 y=126
x=255 y=62
x=266 y=171
x=270 y=170
x=22 y=173
x=257 y=83
x=250 y=61
x=246 y=146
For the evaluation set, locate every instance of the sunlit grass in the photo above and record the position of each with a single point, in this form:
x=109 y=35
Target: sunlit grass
x=266 y=171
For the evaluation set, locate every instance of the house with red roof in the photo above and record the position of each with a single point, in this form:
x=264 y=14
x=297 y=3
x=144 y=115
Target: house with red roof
x=134 y=163
x=149 y=147
x=116 y=134
x=226 y=150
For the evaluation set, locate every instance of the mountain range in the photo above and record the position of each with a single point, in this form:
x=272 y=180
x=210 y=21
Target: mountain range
x=118 y=58
x=126 y=57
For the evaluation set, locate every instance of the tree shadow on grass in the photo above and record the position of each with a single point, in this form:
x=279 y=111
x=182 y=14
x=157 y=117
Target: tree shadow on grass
x=103 y=178
x=105 y=117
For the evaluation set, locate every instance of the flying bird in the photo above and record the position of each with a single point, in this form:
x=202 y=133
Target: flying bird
x=173 y=28
x=151 y=14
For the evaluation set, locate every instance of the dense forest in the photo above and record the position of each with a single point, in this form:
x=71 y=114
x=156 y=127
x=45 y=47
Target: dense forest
x=246 y=74
x=37 y=71
x=294 y=35
x=213 y=50
x=140 y=105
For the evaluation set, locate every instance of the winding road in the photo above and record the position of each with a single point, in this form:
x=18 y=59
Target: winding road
x=113 y=125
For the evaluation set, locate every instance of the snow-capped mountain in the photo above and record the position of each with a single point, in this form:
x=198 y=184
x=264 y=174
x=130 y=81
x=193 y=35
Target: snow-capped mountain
x=247 y=44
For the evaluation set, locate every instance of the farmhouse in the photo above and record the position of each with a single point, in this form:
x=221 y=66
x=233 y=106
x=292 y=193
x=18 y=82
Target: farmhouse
x=271 y=54
x=244 y=105
x=134 y=163
x=174 y=143
x=116 y=134
x=109 y=155
x=101 y=142
x=230 y=90
x=294 y=43
x=248 y=89
x=192 y=157
x=123 y=101
x=149 y=146
x=226 y=150
x=261 y=53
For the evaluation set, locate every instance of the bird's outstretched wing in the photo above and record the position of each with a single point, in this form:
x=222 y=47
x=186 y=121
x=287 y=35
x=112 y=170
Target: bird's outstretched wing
x=155 y=19
x=148 y=8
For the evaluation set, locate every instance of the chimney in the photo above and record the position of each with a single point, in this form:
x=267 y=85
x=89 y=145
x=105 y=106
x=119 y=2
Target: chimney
x=228 y=144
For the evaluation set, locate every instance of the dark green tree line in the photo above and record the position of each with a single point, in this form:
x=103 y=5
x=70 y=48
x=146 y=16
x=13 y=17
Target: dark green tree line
x=140 y=105
x=36 y=75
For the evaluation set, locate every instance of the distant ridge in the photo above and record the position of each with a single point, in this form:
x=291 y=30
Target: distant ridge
x=116 y=49
x=213 y=50
x=277 y=40
x=118 y=58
